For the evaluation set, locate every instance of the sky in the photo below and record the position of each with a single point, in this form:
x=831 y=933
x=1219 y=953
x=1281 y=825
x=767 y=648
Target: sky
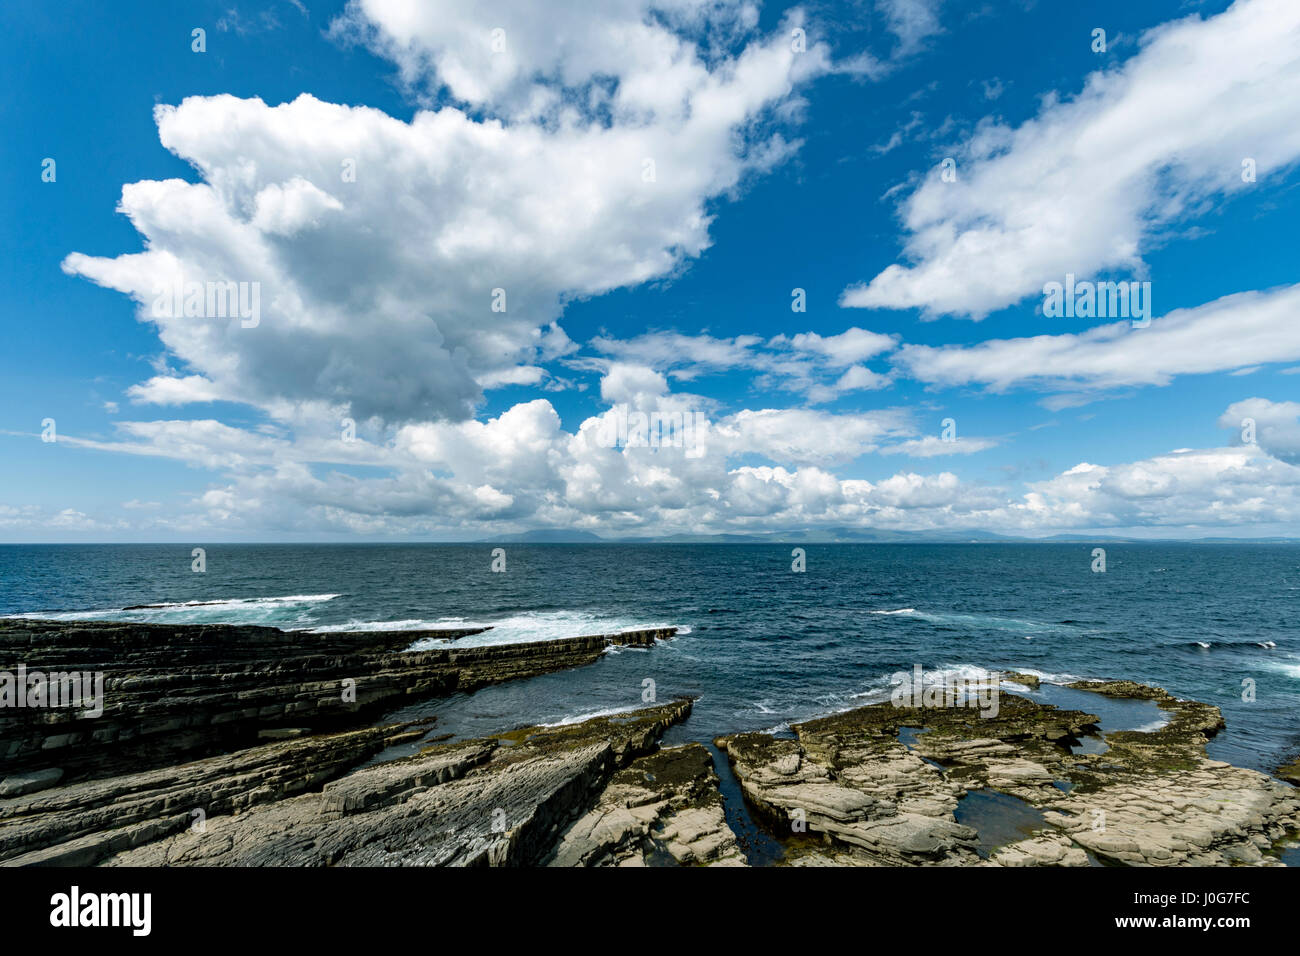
x=381 y=270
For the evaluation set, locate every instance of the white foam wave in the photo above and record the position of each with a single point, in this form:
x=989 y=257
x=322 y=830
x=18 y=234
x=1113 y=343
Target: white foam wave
x=589 y=715
x=1048 y=677
x=286 y=609
x=1153 y=726
x=413 y=624
x=531 y=626
x=984 y=621
x=1289 y=668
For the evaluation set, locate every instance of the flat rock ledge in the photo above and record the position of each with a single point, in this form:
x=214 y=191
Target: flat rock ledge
x=178 y=692
x=847 y=791
x=514 y=800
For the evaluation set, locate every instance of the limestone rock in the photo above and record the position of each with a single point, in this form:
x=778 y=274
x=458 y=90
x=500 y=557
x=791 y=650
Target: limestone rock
x=664 y=807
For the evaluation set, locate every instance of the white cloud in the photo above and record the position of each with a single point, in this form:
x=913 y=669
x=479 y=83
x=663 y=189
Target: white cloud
x=492 y=52
x=858 y=378
x=172 y=390
x=1244 y=329
x=377 y=294
x=686 y=356
x=1276 y=425
x=820 y=367
x=807 y=436
x=912 y=21
x=522 y=469
x=1086 y=185
x=287 y=210
x=932 y=446
x=847 y=348
x=1208 y=488
x=377 y=289
x=625 y=382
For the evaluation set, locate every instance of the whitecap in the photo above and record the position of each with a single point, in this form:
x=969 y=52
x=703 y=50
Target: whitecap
x=532 y=626
x=286 y=609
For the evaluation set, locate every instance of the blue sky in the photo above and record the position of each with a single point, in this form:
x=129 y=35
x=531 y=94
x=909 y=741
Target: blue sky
x=793 y=147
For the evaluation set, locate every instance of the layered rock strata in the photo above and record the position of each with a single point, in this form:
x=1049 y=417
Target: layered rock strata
x=506 y=801
x=176 y=692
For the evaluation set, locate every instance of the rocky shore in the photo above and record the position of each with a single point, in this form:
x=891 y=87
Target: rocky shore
x=237 y=746
x=1149 y=799
x=173 y=692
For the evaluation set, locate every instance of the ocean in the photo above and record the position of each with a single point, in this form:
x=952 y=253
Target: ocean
x=760 y=646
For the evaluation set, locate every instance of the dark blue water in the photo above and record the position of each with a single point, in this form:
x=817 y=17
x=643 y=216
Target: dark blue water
x=761 y=646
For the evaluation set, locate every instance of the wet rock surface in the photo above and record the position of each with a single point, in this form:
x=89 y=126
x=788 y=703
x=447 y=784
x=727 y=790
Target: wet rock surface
x=1290 y=771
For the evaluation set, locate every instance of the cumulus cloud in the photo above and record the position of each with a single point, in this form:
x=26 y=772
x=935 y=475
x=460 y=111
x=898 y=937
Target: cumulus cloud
x=1207 y=488
x=1086 y=185
x=402 y=267
x=756 y=470
x=1274 y=426
x=522 y=58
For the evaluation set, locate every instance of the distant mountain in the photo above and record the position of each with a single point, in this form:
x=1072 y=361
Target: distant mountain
x=853 y=536
x=546 y=536
x=824 y=536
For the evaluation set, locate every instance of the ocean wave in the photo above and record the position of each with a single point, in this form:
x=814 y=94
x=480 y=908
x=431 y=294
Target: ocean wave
x=286 y=609
x=1048 y=677
x=1162 y=721
x=412 y=624
x=1232 y=645
x=531 y=626
x=588 y=715
x=1289 y=668
x=987 y=622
